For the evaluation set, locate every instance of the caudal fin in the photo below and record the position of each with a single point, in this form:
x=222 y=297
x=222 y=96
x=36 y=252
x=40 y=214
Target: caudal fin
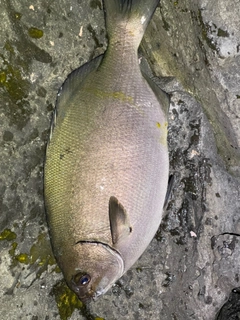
x=132 y=14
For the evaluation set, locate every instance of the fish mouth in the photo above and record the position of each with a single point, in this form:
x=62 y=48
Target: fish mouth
x=87 y=298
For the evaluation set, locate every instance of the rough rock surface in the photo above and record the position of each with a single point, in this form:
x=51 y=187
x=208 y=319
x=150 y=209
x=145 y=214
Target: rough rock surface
x=192 y=264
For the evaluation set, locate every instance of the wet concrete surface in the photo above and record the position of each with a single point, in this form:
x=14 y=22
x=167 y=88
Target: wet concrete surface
x=192 y=265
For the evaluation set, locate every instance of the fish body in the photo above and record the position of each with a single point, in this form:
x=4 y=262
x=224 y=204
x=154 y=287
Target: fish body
x=106 y=169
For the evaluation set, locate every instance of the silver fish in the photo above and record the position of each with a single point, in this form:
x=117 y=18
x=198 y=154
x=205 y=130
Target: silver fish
x=106 y=169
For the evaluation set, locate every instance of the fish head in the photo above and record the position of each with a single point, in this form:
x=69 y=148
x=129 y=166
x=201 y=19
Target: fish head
x=92 y=269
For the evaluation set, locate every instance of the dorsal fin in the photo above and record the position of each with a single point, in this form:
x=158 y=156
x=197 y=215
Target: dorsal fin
x=154 y=83
x=70 y=85
x=119 y=222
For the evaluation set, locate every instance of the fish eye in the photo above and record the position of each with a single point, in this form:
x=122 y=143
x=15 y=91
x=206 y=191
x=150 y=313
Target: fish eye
x=85 y=280
x=82 y=280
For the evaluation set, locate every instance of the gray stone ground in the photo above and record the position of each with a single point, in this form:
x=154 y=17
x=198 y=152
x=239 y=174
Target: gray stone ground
x=192 y=264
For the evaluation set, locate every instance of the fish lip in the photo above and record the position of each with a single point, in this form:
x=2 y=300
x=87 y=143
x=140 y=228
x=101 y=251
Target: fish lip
x=85 y=299
x=89 y=297
x=96 y=296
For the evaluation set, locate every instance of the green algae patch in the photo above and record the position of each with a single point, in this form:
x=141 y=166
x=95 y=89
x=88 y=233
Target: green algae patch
x=35 y=33
x=40 y=253
x=17 y=15
x=13 y=248
x=3 y=77
x=22 y=258
x=8 y=235
x=222 y=33
x=15 y=87
x=11 y=75
x=66 y=300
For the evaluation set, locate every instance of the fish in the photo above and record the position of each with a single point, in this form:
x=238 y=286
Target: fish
x=106 y=168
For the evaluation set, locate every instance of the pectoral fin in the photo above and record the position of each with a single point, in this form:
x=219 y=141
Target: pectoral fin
x=119 y=222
